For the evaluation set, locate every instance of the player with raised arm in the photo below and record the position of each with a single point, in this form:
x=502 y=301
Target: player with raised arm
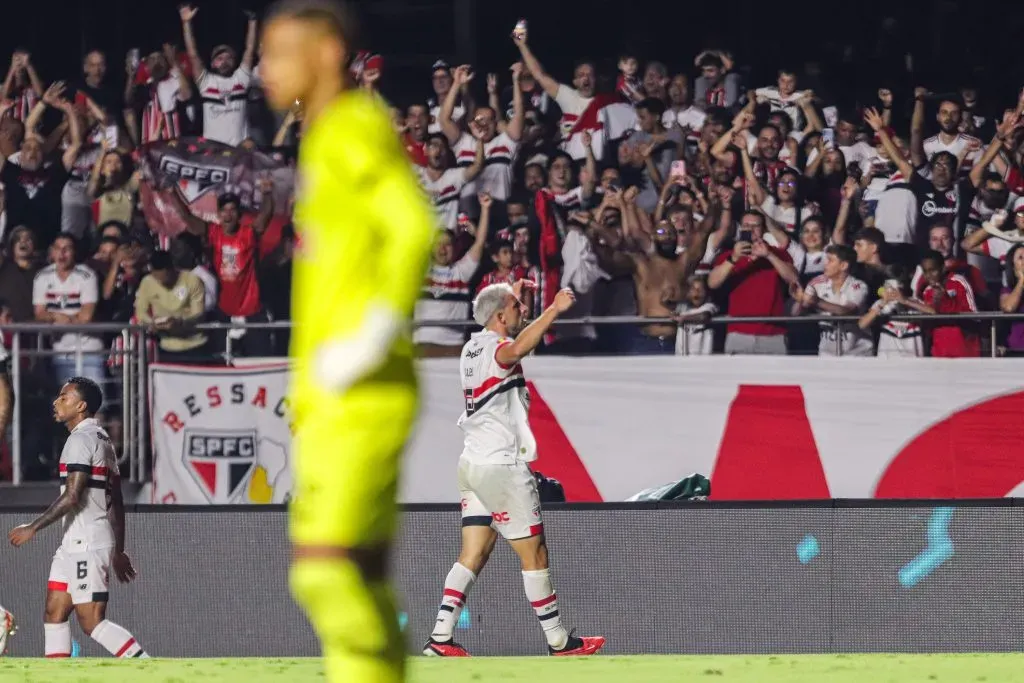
x=92 y=508
x=365 y=234
x=498 y=490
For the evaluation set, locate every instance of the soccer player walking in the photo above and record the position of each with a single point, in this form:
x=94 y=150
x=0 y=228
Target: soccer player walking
x=498 y=490
x=92 y=508
x=365 y=234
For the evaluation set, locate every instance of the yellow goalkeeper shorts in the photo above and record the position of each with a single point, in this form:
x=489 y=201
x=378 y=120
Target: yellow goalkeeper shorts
x=347 y=456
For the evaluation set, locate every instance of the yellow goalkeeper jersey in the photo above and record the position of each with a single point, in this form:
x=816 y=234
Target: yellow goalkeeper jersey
x=365 y=231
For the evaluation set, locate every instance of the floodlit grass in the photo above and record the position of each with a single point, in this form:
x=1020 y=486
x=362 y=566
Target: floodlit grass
x=993 y=668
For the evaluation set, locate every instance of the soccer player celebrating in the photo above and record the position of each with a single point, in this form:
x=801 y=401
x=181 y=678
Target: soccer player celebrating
x=365 y=234
x=91 y=505
x=498 y=490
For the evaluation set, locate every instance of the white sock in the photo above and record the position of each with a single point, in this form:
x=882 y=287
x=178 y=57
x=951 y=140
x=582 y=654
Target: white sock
x=456 y=588
x=57 y=640
x=541 y=595
x=116 y=640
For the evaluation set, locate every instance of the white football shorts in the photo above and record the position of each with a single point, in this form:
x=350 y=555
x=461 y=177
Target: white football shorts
x=85 y=575
x=503 y=497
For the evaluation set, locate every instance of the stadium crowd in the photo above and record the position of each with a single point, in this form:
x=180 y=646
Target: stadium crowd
x=667 y=195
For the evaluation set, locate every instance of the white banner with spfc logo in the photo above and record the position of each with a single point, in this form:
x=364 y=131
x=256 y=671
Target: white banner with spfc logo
x=220 y=435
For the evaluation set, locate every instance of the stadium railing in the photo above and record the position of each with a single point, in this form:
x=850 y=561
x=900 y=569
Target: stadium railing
x=128 y=360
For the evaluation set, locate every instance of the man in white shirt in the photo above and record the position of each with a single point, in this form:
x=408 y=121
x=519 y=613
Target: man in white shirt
x=582 y=110
x=442 y=82
x=967 y=148
x=92 y=510
x=682 y=112
x=501 y=139
x=445 y=293
x=66 y=294
x=498 y=490
x=784 y=97
x=443 y=182
x=224 y=87
x=836 y=292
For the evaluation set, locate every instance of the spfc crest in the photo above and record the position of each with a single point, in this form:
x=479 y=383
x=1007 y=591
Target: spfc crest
x=220 y=461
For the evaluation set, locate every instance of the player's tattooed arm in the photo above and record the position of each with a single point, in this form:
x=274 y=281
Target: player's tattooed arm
x=68 y=501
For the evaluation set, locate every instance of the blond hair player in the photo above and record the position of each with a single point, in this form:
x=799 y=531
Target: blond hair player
x=498 y=490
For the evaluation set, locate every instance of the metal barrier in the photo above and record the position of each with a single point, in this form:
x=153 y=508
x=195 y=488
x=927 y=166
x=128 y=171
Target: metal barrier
x=131 y=358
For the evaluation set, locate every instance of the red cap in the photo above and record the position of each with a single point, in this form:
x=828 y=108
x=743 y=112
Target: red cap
x=374 y=62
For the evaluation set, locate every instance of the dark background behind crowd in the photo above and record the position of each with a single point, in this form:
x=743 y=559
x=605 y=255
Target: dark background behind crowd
x=853 y=41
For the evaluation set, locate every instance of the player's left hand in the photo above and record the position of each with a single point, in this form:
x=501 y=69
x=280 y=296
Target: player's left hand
x=123 y=569
x=20 y=535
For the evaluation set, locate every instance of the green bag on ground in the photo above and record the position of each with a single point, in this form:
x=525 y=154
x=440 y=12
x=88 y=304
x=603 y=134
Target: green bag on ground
x=694 y=487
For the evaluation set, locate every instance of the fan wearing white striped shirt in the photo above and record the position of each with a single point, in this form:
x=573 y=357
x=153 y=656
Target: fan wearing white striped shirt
x=224 y=85
x=501 y=139
x=160 y=101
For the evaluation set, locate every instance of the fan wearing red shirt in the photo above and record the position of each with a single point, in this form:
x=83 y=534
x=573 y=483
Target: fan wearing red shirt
x=414 y=139
x=233 y=243
x=940 y=239
x=947 y=293
x=756 y=276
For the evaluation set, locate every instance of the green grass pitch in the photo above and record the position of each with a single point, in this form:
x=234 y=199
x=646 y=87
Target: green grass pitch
x=992 y=668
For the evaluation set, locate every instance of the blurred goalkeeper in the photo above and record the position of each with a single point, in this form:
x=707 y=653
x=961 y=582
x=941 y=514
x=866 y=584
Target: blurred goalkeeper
x=498 y=490
x=365 y=233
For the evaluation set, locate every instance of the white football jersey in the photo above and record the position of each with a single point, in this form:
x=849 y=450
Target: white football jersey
x=88 y=450
x=444 y=192
x=225 y=105
x=967 y=146
x=496 y=178
x=689 y=118
x=67 y=296
x=496 y=420
x=856 y=342
x=434 y=126
x=445 y=296
x=898 y=339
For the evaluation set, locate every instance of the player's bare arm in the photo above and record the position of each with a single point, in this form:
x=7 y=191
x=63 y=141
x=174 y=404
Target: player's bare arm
x=123 y=568
x=531 y=337
x=68 y=501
